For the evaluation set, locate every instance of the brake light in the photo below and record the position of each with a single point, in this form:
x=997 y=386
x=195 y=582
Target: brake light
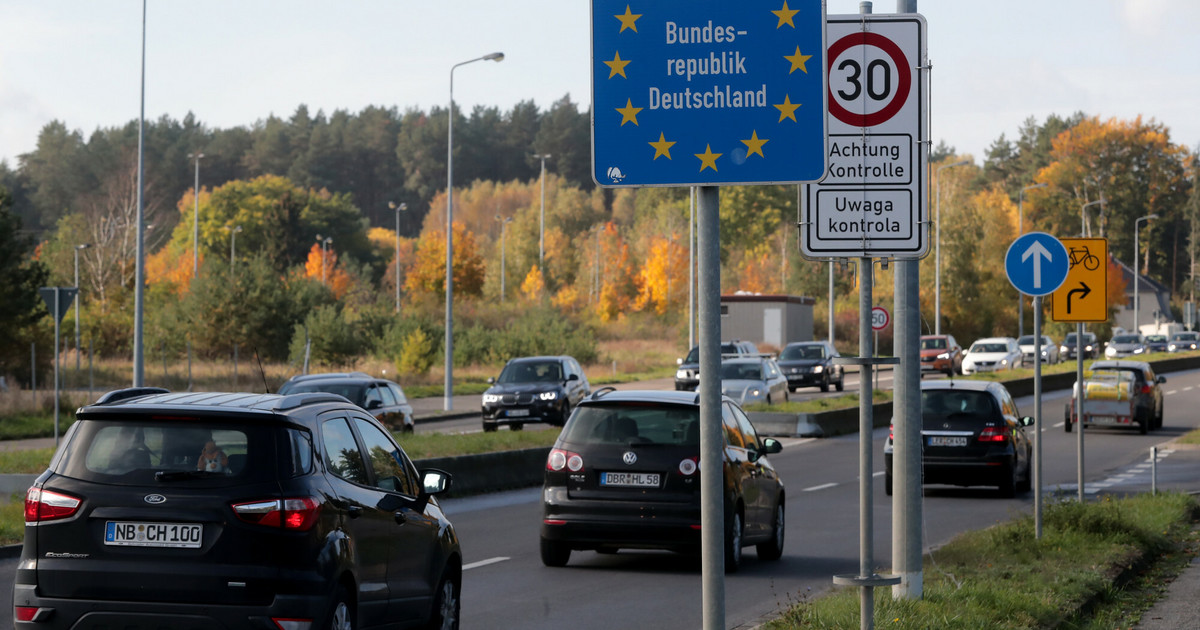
x=45 y=505
x=891 y=428
x=297 y=514
x=993 y=434
x=1146 y=389
x=288 y=623
x=32 y=613
x=560 y=459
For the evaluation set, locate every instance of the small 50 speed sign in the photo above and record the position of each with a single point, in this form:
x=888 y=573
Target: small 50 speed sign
x=880 y=318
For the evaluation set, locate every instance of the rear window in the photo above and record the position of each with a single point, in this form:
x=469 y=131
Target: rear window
x=621 y=424
x=936 y=343
x=355 y=393
x=133 y=452
x=1126 y=339
x=944 y=403
x=741 y=371
x=794 y=353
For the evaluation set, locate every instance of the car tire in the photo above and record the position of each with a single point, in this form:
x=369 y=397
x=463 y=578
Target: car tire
x=341 y=612
x=1026 y=484
x=1144 y=420
x=887 y=484
x=555 y=553
x=488 y=427
x=825 y=385
x=447 y=603
x=773 y=549
x=516 y=426
x=841 y=384
x=1008 y=481
x=733 y=542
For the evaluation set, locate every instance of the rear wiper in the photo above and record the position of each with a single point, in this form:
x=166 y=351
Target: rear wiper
x=176 y=475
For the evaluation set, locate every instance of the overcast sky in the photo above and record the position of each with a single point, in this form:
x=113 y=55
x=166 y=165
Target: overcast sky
x=234 y=62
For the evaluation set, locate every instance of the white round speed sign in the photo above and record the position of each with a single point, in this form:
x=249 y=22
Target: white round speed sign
x=880 y=318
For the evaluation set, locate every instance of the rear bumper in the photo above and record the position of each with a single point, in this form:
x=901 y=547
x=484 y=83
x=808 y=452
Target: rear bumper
x=590 y=524
x=988 y=471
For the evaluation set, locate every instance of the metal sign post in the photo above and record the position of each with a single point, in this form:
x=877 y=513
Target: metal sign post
x=58 y=301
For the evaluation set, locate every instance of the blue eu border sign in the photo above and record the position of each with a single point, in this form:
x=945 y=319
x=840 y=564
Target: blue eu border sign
x=708 y=92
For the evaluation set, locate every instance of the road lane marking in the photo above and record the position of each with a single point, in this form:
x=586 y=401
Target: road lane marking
x=879 y=472
x=1172 y=392
x=484 y=563
x=820 y=487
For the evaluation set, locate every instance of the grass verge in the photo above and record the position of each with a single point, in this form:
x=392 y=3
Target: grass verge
x=816 y=405
x=1083 y=573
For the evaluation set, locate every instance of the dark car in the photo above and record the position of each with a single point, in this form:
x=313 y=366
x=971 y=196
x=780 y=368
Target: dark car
x=1156 y=343
x=1184 y=342
x=380 y=397
x=624 y=474
x=1091 y=347
x=971 y=435
x=234 y=510
x=941 y=353
x=534 y=389
x=687 y=377
x=810 y=364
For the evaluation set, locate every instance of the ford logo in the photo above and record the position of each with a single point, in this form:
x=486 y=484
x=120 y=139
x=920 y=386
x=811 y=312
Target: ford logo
x=154 y=499
x=629 y=458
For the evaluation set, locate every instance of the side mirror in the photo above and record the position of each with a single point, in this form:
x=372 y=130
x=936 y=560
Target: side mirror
x=573 y=377
x=679 y=361
x=771 y=445
x=1160 y=379
x=374 y=404
x=1026 y=421
x=491 y=380
x=435 y=481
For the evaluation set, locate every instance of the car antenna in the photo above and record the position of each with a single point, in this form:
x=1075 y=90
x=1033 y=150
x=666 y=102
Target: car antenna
x=266 y=388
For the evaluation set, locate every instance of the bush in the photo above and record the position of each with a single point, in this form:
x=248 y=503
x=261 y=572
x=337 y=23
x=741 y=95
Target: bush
x=334 y=341
x=416 y=353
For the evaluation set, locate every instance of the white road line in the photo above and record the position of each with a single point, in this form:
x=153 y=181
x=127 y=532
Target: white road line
x=1172 y=392
x=1188 y=388
x=484 y=563
x=878 y=473
x=1058 y=425
x=820 y=487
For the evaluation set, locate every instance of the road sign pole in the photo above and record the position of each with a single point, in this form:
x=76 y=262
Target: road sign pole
x=1080 y=393
x=57 y=306
x=866 y=421
x=712 y=519
x=1037 y=416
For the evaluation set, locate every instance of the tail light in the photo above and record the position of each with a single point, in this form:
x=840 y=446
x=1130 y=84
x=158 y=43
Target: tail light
x=891 y=430
x=1146 y=389
x=45 y=505
x=689 y=466
x=560 y=459
x=297 y=514
x=993 y=434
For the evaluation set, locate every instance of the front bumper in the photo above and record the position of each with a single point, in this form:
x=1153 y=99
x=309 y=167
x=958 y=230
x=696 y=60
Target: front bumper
x=550 y=412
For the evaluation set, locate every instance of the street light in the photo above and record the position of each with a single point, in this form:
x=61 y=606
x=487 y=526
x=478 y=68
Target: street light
x=542 y=223
x=1021 y=231
x=1083 y=215
x=448 y=390
x=77 y=248
x=398 y=208
x=233 y=246
x=503 y=230
x=324 y=252
x=1137 y=272
x=196 y=217
x=937 y=286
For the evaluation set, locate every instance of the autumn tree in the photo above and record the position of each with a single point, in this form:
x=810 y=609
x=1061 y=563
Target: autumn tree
x=428 y=273
x=662 y=279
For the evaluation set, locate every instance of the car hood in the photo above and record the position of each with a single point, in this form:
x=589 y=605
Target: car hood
x=933 y=352
x=522 y=388
x=740 y=384
x=791 y=363
x=986 y=356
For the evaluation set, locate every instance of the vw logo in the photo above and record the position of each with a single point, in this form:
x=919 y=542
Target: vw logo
x=629 y=458
x=154 y=499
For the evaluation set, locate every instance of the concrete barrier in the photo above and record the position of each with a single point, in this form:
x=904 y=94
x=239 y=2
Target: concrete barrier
x=491 y=472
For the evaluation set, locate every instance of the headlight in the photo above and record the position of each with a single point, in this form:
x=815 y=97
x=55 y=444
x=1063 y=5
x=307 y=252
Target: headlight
x=681 y=374
x=1108 y=352
x=817 y=369
x=944 y=355
x=1003 y=361
x=1139 y=350
x=1171 y=347
x=1064 y=349
x=1088 y=347
x=548 y=395
x=754 y=392
x=491 y=398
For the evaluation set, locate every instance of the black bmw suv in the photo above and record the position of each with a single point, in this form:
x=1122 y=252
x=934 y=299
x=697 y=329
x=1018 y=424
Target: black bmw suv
x=216 y=510
x=625 y=474
x=534 y=389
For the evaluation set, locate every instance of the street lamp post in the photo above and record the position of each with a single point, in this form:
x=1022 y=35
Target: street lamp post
x=503 y=269
x=1021 y=231
x=1137 y=272
x=233 y=246
x=1083 y=215
x=77 y=248
x=398 y=208
x=196 y=217
x=448 y=389
x=542 y=221
x=324 y=241
x=937 y=285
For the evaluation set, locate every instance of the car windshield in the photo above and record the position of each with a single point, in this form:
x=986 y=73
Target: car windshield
x=1187 y=336
x=1156 y=338
x=659 y=424
x=353 y=392
x=1070 y=339
x=989 y=347
x=805 y=351
x=943 y=403
x=1027 y=340
x=531 y=372
x=693 y=356
x=1126 y=339
x=933 y=343
x=741 y=371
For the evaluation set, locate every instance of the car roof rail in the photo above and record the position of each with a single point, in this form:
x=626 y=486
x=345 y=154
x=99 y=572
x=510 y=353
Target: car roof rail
x=118 y=395
x=291 y=401
x=602 y=391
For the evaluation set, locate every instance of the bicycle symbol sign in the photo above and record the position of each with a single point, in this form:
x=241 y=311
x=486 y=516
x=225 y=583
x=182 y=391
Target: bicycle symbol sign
x=1081 y=254
x=1083 y=297
x=1037 y=263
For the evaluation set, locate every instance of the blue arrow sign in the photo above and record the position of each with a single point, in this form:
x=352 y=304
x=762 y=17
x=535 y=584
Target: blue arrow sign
x=1037 y=264
x=706 y=92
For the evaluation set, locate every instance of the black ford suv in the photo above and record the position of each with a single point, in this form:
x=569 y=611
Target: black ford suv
x=624 y=474
x=215 y=510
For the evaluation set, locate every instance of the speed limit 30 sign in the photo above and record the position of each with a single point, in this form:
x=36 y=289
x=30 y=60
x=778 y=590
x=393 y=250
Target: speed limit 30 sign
x=872 y=202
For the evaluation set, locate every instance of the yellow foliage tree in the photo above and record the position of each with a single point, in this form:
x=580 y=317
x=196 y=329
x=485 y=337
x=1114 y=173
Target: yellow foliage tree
x=335 y=277
x=170 y=267
x=534 y=285
x=618 y=279
x=662 y=279
x=428 y=271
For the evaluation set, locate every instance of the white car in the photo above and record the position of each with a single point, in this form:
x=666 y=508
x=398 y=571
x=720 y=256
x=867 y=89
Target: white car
x=992 y=354
x=753 y=380
x=1050 y=354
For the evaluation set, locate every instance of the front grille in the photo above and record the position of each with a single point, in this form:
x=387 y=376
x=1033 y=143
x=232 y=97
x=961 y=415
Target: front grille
x=516 y=399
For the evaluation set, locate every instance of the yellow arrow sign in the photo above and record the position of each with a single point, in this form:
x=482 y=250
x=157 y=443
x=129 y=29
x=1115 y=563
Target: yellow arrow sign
x=1083 y=296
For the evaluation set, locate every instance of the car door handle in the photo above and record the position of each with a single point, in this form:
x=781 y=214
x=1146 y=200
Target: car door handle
x=400 y=516
x=354 y=511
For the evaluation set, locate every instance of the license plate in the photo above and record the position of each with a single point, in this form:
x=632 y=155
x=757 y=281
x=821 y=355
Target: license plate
x=1102 y=420
x=141 y=534
x=646 y=480
x=516 y=413
x=942 y=440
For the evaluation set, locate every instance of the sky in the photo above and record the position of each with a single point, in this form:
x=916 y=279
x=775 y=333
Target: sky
x=234 y=62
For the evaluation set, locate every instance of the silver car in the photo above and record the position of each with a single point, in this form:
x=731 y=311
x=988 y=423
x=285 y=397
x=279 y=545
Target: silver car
x=1050 y=354
x=1128 y=345
x=753 y=380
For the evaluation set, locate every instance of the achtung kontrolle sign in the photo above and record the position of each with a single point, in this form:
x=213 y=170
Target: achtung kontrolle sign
x=873 y=202
x=708 y=92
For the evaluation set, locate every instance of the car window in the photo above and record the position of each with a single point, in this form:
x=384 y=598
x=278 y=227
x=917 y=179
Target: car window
x=669 y=425
x=1027 y=340
x=749 y=435
x=302 y=451
x=694 y=355
x=772 y=370
x=989 y=347
x=531 y=372
x=733 y=432
x=133 y=451
x=387 y=462
x=742 y=371
x=341 y=451
x=350 y=391
x=935 y=343
x=372 y=396
x=398 y=394
x=386 y=395
x=1127 y=339
x=943 y=403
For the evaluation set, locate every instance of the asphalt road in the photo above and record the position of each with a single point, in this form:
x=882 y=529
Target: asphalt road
x=506 y=586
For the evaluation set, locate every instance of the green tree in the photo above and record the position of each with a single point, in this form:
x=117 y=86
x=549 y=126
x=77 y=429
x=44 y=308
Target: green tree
x=20 y=305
